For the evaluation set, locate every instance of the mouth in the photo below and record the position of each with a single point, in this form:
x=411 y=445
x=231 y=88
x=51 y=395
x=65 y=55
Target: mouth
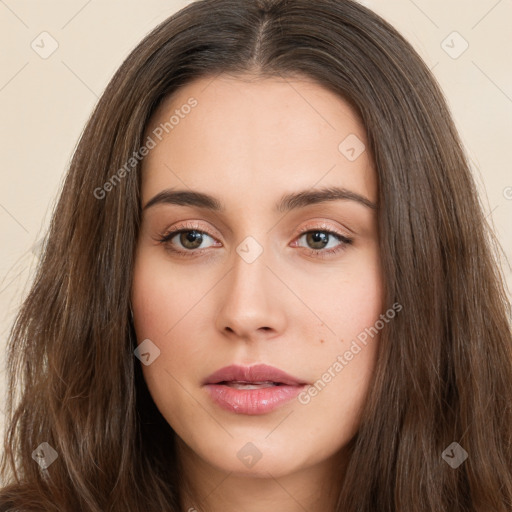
x=252 y=390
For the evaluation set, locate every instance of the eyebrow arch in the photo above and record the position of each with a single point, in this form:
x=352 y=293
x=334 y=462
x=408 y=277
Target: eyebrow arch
x=288 y=202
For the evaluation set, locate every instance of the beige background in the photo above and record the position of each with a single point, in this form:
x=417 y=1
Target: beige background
x=45 y=103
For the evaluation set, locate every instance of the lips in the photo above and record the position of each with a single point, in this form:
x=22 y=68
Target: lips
x=257 y=374
x=252 y=390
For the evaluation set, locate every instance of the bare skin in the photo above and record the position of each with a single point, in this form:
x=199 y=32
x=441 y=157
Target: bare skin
x=296 y=306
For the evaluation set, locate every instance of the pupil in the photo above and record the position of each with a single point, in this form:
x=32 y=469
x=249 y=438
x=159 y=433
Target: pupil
x=191 y=237
x=319 y=237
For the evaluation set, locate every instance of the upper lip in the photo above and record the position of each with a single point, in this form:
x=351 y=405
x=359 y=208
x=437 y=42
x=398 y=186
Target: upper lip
x=252 y=374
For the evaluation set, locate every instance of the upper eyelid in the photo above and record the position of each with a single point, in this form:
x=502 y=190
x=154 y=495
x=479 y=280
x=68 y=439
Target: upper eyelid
x=323 y=227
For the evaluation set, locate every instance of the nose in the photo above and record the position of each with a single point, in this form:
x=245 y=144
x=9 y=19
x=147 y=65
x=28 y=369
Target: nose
x=252 y=300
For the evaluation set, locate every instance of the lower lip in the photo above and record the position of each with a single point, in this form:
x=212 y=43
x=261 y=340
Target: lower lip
x=252 y=401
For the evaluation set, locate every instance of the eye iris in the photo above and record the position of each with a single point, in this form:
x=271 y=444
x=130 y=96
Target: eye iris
x=194 y=237
x=318 y=237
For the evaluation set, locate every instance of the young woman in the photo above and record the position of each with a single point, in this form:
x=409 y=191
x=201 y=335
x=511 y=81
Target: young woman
x=268 y=285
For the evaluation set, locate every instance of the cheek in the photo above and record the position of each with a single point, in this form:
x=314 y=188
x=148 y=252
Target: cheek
x=166 y=306
x=344 y=363
x=347 y=303
x=157 y=313
x=163 y=296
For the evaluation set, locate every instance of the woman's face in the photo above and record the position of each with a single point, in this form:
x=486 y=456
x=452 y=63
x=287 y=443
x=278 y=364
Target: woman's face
x=269 y=270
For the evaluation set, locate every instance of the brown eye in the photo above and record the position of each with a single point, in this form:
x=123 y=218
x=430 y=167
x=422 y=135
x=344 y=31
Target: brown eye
x=191 y=239
x=183 y=241
x=317 y=239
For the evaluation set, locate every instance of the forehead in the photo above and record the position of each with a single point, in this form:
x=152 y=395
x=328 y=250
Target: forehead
x=253 y=136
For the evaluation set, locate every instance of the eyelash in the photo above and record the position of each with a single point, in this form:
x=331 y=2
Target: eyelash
x=321 y=253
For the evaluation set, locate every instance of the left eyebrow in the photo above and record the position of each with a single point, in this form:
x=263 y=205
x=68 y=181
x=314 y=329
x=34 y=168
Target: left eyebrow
x=288 y=202
x=314 y=196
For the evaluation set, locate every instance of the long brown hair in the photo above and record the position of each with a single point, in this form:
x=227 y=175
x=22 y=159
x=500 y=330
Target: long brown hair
x=444 y=371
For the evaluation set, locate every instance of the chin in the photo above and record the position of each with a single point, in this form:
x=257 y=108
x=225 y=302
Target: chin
x=254 y=456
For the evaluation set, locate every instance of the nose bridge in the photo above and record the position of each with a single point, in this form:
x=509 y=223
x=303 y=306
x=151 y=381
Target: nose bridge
x=249 y=299
x=248 y=278
x=252 y=251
